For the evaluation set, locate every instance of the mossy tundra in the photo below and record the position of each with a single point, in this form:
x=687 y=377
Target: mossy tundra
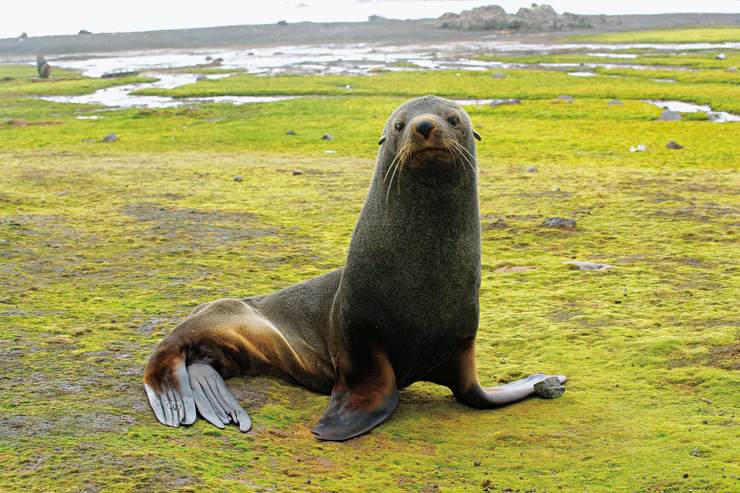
x=104 y=246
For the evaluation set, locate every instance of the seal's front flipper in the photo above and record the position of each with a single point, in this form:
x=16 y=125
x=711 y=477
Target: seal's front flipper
x=363 y=396
x=214 y=400
x=169 y=392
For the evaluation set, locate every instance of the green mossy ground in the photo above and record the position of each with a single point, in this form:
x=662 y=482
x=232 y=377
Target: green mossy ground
x=103 y=247
x=714 y=34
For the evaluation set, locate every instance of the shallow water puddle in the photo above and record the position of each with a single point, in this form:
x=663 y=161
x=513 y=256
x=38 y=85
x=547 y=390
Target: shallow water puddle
x=683 y=107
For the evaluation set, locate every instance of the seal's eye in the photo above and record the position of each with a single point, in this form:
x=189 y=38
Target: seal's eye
x=400 y=126
x=453 y=120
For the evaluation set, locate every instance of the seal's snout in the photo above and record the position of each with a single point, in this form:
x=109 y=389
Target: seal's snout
x=424 y=127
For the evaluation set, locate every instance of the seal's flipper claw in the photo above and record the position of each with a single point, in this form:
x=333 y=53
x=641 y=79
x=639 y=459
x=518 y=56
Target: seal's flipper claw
x=345 y=418
x=214 y=400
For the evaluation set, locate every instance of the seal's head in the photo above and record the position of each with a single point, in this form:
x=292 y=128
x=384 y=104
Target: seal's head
x=429 y=135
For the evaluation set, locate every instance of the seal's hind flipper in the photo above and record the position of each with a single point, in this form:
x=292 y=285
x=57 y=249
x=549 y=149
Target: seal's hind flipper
x=172 y=398
x=214 y=400
x=360 y=400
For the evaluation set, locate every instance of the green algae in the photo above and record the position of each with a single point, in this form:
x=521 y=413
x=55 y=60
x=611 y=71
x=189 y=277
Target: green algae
x=105 y=246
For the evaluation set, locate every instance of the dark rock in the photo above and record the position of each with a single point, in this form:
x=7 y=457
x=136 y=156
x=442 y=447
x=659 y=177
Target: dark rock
x=615 y=102
x=290 y=132
x=559 y=222
x=43 y=67
x=670 y=116
x=209 y=58
x=549 y=388
x=110 y=138
x=238 y=178
x=84 y=32
x=721 y=56
x=200 y=77
x=672 y=144
x=476 y=463
x=282 y=23
x=493 y=17
x=327 y=136
x=297 y=172
x=23 y=35
x=532 y=169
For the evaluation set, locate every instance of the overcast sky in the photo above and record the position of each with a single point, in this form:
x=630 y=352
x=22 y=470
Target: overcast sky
x=69 y=16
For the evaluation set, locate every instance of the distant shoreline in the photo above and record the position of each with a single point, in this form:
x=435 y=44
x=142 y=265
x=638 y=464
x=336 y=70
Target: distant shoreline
x=381 y=31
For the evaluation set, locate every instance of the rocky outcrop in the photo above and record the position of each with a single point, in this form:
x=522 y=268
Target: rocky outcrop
x=494 y=18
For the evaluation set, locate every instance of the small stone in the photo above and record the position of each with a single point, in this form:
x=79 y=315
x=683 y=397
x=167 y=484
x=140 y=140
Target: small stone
x=348 y=86
x=290 y=132
x=615 y=102
x=566 y=98
x=200 y=77
x=549 y=388
x=732 y=69
x=476 y=463
x=327 y=136
x=532 y=169
x=588 y=265
x=559 y=222
x=695 y=452
x=297 y=172
x=110 y=138
x=670 y=116
x=685 y=475
x=672 y=144
x=238 y=178
x=638 y=148
x=721 y=56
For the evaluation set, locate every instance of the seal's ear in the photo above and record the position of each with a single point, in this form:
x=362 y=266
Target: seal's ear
x=382 y=139
x=476 y=135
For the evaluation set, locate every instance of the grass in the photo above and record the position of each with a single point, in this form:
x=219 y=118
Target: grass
x=103 y=247
x=714 y=34
x=698 y=60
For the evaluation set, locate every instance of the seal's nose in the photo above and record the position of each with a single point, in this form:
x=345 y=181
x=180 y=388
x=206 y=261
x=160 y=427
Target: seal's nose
x=424 y=127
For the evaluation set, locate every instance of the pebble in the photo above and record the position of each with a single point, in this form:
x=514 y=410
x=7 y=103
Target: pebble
x=110 y=138
x=327 y=136
x=559 y=222
x=670 y=116
x=498 y=75
x=238 y=178
x=672 y=144
x=549 y=388
x=297 y=172
x=532 y=169
x=290 y=132
x=615 y=102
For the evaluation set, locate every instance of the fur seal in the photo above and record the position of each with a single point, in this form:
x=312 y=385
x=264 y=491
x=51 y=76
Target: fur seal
x=404 y=308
